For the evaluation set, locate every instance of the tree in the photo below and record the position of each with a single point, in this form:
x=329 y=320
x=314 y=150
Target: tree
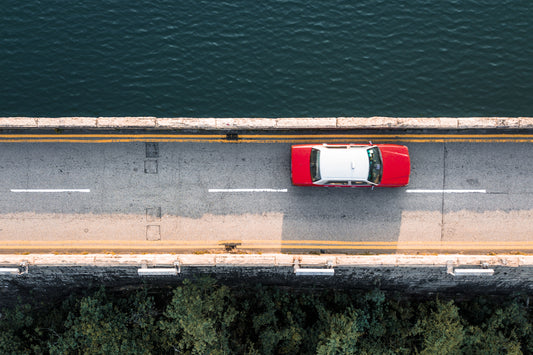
x=278 y=320
x=99 y=326
x=16 y=330
x=199 y=319
x=342 y=333
x=501 y=332
x=439 y=326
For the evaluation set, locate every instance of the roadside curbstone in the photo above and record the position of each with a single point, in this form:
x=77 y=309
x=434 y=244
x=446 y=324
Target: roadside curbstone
x=170 y=123
x=282 y=260
x=288 y=123
x=126 y=122
x=509 y=122
x=429 y=122
x=526 y=122
x=365 y=122
x=186 y=123
x=18 y=122
x=238 y=260
x=306 y=123
x=245 y=123
x=59 y=122
x=488 y=122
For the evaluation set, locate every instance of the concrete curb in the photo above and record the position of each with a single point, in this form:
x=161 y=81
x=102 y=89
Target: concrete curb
x=183 y=123
x=239 y=260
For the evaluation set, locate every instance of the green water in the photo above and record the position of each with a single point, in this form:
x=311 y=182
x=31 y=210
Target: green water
x=248 y=58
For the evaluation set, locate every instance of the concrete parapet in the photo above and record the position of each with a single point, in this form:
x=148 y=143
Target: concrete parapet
x=306 y=123
x=181 y=123
x=390 y=260
x=245 y=123
x=488 y=122
x=51 y=275
x=126 y=122
x=366 y=122
x=429 y=123
x=526 y=122
x=71 y=122
x=18 y=122
x=186 y=123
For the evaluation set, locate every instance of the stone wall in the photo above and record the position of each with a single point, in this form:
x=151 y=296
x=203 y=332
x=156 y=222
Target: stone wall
x=182 y=123
x=51 y=276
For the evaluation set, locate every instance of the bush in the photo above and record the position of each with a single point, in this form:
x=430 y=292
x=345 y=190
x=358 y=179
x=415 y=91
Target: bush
x=203 y=317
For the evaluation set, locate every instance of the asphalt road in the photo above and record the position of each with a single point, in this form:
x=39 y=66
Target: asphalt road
x=201 y=193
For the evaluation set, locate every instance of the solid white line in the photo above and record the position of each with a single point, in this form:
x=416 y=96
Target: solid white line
x=447 y=191
x=247 y=190
x=50 y=190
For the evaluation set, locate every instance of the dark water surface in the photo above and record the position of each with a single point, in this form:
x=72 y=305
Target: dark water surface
x=250 y=58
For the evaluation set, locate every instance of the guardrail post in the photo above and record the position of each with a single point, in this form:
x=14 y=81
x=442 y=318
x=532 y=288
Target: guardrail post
x=15 y=270
x=146 y=271
x=299 y=271
x=484 y=271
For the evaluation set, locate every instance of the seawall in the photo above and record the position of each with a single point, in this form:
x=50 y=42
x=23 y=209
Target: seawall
x=49 y=275
x=309 y=123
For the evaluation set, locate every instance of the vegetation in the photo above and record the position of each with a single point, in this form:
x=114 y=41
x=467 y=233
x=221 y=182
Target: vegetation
x=202 y=317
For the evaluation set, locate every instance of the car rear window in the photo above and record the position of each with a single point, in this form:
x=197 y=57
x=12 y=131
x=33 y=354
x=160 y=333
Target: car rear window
x=315 y=165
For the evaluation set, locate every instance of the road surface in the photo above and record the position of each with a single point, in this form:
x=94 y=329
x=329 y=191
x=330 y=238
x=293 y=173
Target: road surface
x=174 y=192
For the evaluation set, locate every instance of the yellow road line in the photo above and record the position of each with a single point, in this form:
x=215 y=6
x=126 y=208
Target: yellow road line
x=262 y=244
x=283 y=136
x=380 y=135
x=436 y=140
x=115 y=140
x=266 y=141
x=389 y=242
x=112 y=135
x=261 y=241
x=103 y=241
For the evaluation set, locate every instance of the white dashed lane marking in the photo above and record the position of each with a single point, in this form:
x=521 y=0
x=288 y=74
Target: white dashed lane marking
x=50 y=190
x=247 y=190
x=447 y=191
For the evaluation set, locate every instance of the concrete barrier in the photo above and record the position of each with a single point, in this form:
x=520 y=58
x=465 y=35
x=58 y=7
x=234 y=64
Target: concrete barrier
x=223 y=260
x=184 y=123
x=51 y=275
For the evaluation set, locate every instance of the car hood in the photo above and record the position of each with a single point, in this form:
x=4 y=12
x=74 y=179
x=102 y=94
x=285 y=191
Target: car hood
x=301 y=170
x=396 y=165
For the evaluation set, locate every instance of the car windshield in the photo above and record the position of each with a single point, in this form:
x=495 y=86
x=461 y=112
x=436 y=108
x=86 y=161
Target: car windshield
x=376 y=166
x=315 y=166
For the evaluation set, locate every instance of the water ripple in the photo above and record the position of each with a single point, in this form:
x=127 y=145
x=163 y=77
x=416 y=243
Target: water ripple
x=275 y=58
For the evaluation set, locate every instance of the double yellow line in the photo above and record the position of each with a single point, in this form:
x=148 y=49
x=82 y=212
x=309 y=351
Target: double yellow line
x=265 y=138
x=260 y=245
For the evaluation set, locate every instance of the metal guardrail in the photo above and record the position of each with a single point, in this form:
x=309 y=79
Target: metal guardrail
x=328 y=271
x=484 y=271
x=167 y=271
x=23 y=269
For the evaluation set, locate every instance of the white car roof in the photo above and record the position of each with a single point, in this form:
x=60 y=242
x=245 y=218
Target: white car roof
x=344 y=162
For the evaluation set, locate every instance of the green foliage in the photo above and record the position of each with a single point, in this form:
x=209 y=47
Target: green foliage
x=440 y=328
x=100 y=326
x=199 y=318
x=203 y=317
x=278 y=319
x=342 y=334
x=502 y=333
x=15 y=329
